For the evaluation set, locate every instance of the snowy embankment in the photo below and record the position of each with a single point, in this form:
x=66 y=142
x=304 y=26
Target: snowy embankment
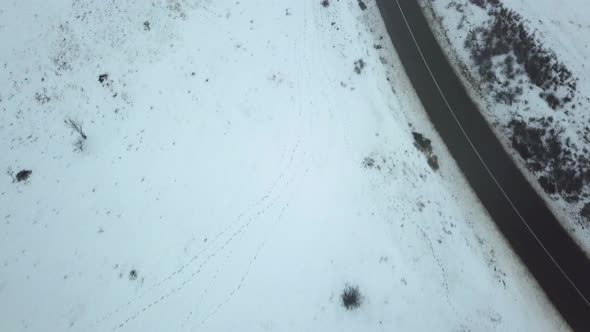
x=525 y=63
x=234 y=166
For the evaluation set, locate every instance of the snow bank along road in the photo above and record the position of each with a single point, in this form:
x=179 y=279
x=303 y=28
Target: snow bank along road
x=557 y=263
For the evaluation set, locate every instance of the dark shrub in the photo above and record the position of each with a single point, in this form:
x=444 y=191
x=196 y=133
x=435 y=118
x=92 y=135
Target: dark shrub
x=422 y=143
x=76 y=126
x=551 y=100
x=508 y=69
x=479 y=3
x=528 y=142
x=506 y=34
x=103 y=78
x=585 y=212
x=547 y=185
x=425 y=146
x=359 y=65
x=369 y=162
x=23 y=175
x=433 y=162
x=568 y=182
x=547 y=152
x=484 y=3
x=351 y=297
x=508 y=95
x=362 y=5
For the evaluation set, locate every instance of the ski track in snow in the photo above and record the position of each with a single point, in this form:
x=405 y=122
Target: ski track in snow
x=261 y=207
x=443 y=274
x=245 y=275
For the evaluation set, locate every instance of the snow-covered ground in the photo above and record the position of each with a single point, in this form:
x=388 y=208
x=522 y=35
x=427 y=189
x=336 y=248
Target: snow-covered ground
x=550 y=145
x=242 y=166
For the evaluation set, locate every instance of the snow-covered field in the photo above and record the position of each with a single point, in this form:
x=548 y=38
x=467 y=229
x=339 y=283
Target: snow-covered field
x=551 y=144
x=241 y=167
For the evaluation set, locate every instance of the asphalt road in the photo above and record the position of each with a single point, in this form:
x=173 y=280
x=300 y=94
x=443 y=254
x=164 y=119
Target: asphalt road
x=552 y=257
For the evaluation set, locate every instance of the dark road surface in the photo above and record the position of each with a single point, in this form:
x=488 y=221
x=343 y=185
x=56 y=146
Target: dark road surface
x=552 y=257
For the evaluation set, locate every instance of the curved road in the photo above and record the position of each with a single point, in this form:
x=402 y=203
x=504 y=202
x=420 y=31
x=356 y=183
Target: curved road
x=552 y=257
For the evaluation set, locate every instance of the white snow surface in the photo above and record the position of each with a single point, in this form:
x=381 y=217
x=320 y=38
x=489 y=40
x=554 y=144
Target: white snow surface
x=563 y=28
x=224 y=183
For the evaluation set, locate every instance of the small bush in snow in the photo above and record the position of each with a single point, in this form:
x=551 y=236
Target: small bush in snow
x=76 y=126
x=547 y=185
x=425 y=146
x=103 y=78
x=351 y=297
x=503 y=48
x=369 y=162
x=362 y=5
x=325 y=3
x=359 y=65
x=549 y=153
x=22 y=175
x=484 y=3
x=479 y=3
